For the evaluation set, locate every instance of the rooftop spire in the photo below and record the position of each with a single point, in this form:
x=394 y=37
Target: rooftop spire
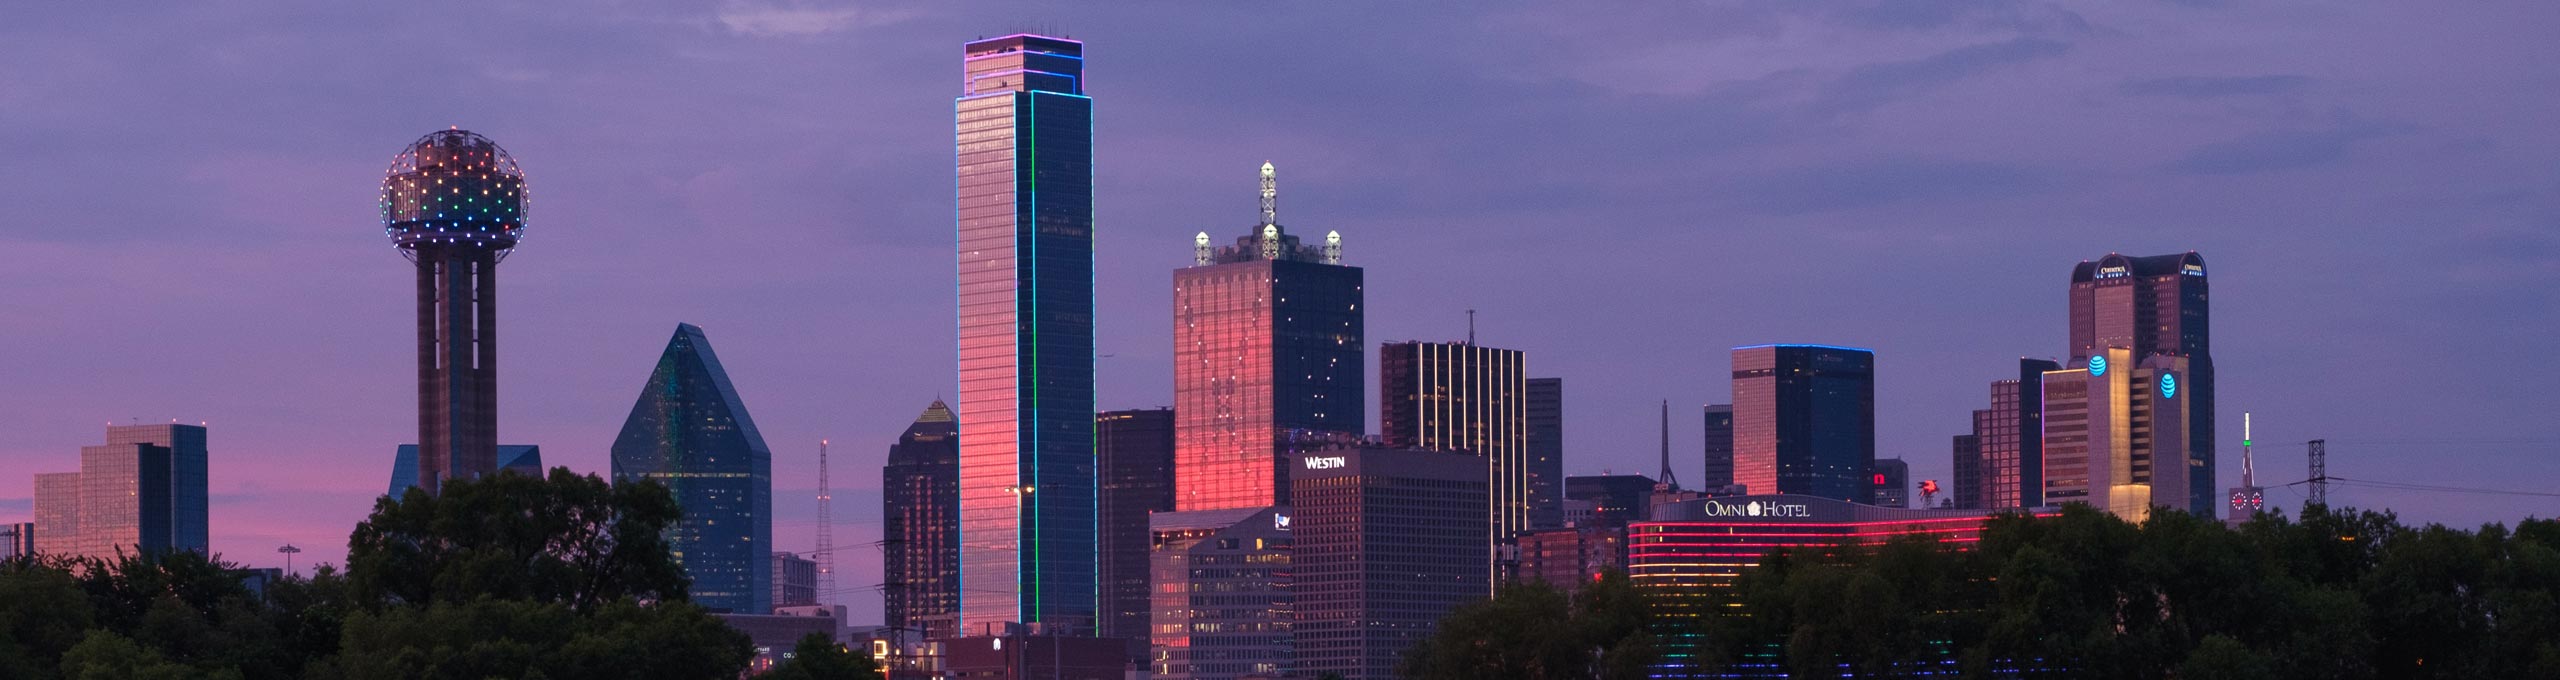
x=1270 y=196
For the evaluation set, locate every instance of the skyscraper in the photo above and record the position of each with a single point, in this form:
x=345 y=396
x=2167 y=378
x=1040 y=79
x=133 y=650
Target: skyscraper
x=1223 y=612
x=1719 y=448
x=144 y=491
x=1546 y=453
x=1024 y=190
x=2114 y=433
x=1804 y=420
x=455 y=204
x=1616 y=499
x=1266 y=354
x=795 y=580
x=1968 y=467
x=690 y=431
x=1378 y=542
x=1460 y=396
x=920 y=527
x=2007 y=470
x=1136 y=452
x=2155 y=305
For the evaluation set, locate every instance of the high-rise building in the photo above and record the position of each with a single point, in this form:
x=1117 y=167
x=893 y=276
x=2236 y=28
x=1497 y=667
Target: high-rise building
x=1267 y=351
x=523 y=459
x=1135 y=449
x=1616 y=499
x=920 y=528
x=690 y=432
x=1381 y=539
x=1223 y=611
x=2155 y=305
x=1461 y=396
x=795 y=580
x=1804 y=420
x=455 y=204
x=17 y=539
x=1892 y=479
x=1968 y=468
x=1546 y=453
x=2114 y=433
x=1024 y=189
x=2007 y=468
x=1719 y=448
x=144 y=491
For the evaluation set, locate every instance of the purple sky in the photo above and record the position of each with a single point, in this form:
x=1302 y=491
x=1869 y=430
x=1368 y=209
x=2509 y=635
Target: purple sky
x=192 y=234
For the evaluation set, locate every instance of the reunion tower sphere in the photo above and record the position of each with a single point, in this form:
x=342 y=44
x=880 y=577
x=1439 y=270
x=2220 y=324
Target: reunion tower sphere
x=453 y=187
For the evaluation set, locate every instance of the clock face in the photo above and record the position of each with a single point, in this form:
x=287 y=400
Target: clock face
x=2097 y=365
x=2168 y=385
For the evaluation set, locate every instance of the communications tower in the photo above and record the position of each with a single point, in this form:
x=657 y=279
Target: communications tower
x=454 y=203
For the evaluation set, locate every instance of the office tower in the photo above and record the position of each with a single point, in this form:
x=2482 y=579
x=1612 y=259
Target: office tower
x=795 y=580
x=1719 y=448
x=1616 y=499
x=1136 y=453
x=1380 y=553
x=2114 y=433
x=690 y=431
x=1892 y=481
x=1460 y=396
x=523 y=459
x=1968 y=467
x=1546 y=453
x=2155 y=305
x=1223 y=611
x=920 y=528
x=1024 y=189
x=144 y=491
x=17 y=539
x=1804 y=420
x=455 y=204
x=1566 y=558
x=1266 y=353
x=2008 y=466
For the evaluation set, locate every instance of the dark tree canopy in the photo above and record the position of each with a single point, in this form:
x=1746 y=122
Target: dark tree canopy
x=1532 y=632
x=569 y=539
x=819 y=658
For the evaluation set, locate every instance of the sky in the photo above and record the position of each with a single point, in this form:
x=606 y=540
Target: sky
x=1624 y=194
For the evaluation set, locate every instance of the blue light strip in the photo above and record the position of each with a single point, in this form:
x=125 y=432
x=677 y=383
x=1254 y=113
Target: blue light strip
x=1838 y=347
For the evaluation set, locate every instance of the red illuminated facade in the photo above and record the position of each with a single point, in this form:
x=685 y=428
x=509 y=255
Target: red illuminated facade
x=1695 y=545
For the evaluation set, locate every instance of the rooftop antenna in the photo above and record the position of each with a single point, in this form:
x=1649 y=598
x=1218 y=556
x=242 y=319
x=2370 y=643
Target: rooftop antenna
x=1471 y=327
x=1270 y=195
x=826 y=535
x=1668 y=481
x=2319 y=471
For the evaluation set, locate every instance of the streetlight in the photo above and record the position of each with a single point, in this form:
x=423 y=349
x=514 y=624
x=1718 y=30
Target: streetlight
x=289 y=551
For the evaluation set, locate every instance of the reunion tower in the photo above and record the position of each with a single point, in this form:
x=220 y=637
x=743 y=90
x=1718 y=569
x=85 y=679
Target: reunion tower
x=455 y=204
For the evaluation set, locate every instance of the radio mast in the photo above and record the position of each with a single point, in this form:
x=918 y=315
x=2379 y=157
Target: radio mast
x=826 y=535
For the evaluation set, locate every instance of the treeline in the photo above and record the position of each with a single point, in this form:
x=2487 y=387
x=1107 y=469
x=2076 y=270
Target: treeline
x=563 y=578
x=2332 y=594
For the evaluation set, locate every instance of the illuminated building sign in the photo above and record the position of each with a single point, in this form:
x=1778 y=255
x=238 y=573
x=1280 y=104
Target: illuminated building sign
x=1280 y=521
x=2116 y=271
x=2168 y=385
x=1324 y=462
x=2192 y=270
x=1715 y=508
x=2097 y=365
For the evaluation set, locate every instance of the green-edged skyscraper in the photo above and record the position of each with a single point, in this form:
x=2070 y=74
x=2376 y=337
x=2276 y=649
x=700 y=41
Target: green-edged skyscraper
x=690 y=432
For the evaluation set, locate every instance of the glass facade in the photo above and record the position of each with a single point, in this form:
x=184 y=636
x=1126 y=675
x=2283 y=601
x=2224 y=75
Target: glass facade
x=690 y=431
x=1546 y=453
x=1719 y=447
x=1804 y=420
x=2158 y=304
x=1463 y=397
x=1223 y=611
x=920 y=527
x=1024 y=196
x=1137 y=479
x=1380 y=541
x=144 y=491
x=2007 y=469
x=524 y=459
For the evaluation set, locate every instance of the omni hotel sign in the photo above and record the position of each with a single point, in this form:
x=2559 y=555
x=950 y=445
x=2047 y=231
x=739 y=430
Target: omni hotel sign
x=1746 y=509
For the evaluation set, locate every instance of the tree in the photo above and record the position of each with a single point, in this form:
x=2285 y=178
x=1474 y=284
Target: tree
x=818 y=657
x=104 y=655
x=1524 y=632
x=571 y=539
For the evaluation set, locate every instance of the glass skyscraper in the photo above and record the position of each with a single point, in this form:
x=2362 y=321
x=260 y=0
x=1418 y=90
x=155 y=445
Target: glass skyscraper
x=144 y=491
x=1024 y=192
x=1266 y=357
x=2151 y=305
x=690 y=431
x=1804 y=420
x=1546 y=453
x=1136 y=448
x=920 y=527
x=1461 y=396
x=2115 y=433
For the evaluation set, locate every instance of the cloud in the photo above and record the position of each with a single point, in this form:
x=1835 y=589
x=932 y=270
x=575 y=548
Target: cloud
x=1874 y=85
x=795 y=19
x=1862 y=185
x=2207 y=87
x=2279 y=150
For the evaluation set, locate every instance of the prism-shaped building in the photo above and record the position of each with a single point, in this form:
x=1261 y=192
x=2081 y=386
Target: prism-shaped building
x=690 y=432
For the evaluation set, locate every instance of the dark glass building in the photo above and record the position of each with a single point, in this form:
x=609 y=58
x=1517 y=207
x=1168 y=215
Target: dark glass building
x=1461 y=396
x=920 y=528
x=1136 y=452
x=1804 y=420
x=1024 y=195
x=1719 y=448
x=1968 y=467
x=2155 y=305
x=455 y=204
x=1546 y=453
x=143 y=492
x=1892 y=481
x=2007 y=470
x=1381 y=545
x=1616 y=499
x=524 y=459
x=690 y=432
x=1224 y=611
x=1267 y=352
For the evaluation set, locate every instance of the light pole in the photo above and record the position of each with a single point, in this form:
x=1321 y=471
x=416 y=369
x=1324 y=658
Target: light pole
x=289 y=551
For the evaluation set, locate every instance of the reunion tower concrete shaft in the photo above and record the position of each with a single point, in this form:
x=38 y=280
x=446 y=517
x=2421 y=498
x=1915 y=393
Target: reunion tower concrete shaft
x=455 y=204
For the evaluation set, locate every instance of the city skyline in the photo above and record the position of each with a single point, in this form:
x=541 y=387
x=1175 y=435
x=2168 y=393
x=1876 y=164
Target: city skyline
x=315 y=389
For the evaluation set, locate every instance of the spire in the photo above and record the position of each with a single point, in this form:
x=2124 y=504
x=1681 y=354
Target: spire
x=1668 y=482
x=1270 y=196
x=2248 y=468
x=1333 y=247
x=1201 y=252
